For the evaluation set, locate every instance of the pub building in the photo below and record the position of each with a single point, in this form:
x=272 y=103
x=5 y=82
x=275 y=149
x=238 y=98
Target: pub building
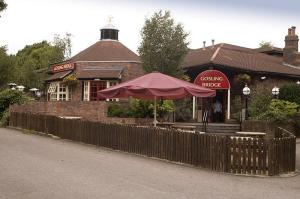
x=218 y=66
x=106 y=63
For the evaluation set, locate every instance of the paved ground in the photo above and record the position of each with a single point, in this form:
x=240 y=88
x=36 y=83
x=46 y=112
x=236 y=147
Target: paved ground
x=36 y=167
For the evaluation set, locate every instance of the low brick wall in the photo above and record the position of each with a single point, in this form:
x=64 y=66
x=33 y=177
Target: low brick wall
x=93 y=111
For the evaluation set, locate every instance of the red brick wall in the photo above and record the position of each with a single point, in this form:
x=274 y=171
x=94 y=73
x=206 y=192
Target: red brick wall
x=93 y=110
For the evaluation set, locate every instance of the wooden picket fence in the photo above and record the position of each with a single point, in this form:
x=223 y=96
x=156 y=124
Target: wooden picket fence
x=223 y=153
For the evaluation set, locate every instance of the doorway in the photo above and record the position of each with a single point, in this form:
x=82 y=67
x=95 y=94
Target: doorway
x=216 y=107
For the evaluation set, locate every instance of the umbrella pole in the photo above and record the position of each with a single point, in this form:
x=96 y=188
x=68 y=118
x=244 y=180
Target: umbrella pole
x=155 y=121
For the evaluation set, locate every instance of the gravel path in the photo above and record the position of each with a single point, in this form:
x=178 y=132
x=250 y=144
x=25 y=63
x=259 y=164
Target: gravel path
x=36 y=167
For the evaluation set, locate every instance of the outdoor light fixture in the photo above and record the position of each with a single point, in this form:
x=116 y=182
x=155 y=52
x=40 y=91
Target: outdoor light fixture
x=275 y=92
x=246 y=92
x=298 y=82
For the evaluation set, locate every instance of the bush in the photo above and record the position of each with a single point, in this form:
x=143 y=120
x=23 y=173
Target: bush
x=9 y=97
x=290 y=92
x=4 y=119
x=280 y=111
x=260 y=102
x=140 y=109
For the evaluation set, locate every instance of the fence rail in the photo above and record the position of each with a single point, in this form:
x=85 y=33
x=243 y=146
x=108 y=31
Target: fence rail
x=223 y=153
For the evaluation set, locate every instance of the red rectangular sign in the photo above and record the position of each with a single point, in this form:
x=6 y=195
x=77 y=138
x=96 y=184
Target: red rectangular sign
x=63 y=67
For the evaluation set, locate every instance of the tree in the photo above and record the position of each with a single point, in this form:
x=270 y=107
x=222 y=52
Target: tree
x=34 y=61
x=3 y=6
x=265 y=44
x=6 y=67
x=163 y=46
x=64 y=44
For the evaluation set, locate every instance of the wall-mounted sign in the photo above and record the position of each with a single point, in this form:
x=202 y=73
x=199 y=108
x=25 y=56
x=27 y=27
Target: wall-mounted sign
x=212 y=79
x=63 y=67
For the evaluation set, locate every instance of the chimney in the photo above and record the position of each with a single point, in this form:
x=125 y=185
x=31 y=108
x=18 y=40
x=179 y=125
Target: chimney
x=204 y=42
x=213 y=43
x=290 y=52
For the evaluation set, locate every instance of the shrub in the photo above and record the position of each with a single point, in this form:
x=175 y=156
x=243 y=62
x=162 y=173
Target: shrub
x=281 y=111
x=260 y=102
x=290 y=92
x=140 y=109
x=8 y=97
x=4 y=119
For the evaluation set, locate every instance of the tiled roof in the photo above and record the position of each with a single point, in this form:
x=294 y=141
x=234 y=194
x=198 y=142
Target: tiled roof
x=241 y=58
x=106 y=50
x=95 y=72
x=58 y=76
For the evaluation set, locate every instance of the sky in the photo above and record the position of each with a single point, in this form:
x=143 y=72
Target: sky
x=239 y=22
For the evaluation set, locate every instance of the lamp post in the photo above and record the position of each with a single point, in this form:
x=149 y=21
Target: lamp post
x=246 y=92
x=275 y=92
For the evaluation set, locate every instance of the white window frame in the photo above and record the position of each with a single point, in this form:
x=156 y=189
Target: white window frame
x=110 y=84
x=86 y=91
x=54 y=92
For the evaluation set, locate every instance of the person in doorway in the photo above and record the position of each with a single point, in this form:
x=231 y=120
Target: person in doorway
x=217 y=109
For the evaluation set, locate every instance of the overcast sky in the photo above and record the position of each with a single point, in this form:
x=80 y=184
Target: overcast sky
x=239 y=22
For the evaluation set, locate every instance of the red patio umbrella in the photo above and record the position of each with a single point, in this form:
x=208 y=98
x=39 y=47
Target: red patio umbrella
x=155 y=86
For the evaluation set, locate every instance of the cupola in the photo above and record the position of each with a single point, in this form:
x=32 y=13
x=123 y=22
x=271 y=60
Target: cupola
x=109 y=32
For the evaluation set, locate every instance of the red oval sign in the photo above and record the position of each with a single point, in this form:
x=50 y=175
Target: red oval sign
x=212 y=79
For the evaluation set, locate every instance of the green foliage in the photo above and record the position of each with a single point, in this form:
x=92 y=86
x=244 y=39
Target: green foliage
x=8 y=97
x=163 y=45
x=33 y=61
x=260 y=101
x=6 y=67
x=265 y=44
x=183 y=109
x=70 y=80
x=280 y=110
x=244 y=78
x=236 y=107
x=64 y=44
x=140 y=109
x=290 y=92
x=3 y=5
x=4 y=120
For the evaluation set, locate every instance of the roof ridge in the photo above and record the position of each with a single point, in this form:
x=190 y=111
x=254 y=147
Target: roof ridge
x=216 y=53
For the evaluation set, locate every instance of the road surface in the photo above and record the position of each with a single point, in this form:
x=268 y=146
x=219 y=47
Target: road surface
x=37 y=167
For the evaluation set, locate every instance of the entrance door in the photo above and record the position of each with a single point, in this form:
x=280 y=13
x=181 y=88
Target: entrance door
x=216 y=106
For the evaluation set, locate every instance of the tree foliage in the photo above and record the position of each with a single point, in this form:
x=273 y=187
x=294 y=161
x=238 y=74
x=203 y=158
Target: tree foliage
x=260 y=101
x=33 y=61
x=3 y=5
x=6 y=67
x=265 y=44
x=290 y=92
x=163 y=46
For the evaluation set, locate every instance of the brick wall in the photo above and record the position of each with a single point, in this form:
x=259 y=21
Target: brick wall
x=93 y=110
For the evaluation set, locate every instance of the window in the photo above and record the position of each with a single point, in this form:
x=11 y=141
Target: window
x=86 y=91
x=58 y=92
x=96 y=86
x=110 y=84
x=62 y=94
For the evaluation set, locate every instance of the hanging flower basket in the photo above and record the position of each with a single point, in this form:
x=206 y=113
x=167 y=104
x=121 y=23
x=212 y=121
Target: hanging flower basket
x=70 y=80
